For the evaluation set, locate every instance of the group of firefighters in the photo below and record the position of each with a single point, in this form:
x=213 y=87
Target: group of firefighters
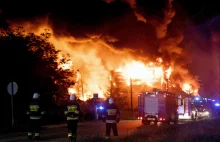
x=111 y=117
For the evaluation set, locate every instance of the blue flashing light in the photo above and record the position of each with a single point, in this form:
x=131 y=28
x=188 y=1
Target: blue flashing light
x=217 y=104
x=101 y=107
x=197 y=98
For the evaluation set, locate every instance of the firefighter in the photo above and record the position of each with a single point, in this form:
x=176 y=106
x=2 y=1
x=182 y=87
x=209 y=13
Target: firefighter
x=111 y=116
x=72 y=114
x=35 y=114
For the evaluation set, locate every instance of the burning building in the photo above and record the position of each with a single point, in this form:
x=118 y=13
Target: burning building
x=137 y=49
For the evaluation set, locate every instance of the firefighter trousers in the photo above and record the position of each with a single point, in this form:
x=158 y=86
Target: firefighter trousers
x=112 y=126
x=72 y=128
x=34 y=128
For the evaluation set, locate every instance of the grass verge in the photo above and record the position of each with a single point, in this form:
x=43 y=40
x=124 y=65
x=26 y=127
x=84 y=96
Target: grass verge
x=201 y=131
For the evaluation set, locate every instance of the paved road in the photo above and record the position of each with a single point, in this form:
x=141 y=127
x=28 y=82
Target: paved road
x=86 y=130
x=58 y=133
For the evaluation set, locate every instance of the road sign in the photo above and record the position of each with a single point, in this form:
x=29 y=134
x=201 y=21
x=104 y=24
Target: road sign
x=96 y=95
x=12 y=88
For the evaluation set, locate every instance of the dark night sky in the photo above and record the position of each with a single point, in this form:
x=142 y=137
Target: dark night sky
x=200 y=11
x=92 y=11
x=117 y=19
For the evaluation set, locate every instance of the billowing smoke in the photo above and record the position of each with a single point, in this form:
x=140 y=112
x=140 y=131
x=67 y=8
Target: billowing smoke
x=96 y=50
x=132 y=4
x=162 y=24
x=109 y=1
x=93 y=56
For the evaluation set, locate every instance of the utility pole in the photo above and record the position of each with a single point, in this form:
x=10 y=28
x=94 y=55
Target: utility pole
x=81 y=80
x=146 y=88
x=218 y=77
x=131 y=94
x=167 y=84
x=111 y=83
x=82 y=90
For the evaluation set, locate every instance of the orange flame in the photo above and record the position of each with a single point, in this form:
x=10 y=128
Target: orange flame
x=189 y=89
x=148 y=74
x=67 y=65
x=71 y=91
x=95 y=58
x=168 y=72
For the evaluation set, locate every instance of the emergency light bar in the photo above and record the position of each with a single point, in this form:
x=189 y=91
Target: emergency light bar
x=197 y=98
x=217 y=104
x=101 y=107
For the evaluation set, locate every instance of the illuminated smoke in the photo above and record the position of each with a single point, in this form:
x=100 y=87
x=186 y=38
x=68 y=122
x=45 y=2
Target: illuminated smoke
x=109 y=1
x=139 y=16
x=92 y=56
x=95 y=55
x=132 y=4
x=162 y=25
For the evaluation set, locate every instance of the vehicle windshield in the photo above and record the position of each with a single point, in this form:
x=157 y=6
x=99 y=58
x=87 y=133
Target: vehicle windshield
x=201 y=108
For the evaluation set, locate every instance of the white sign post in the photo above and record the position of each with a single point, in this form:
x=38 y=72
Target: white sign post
x=12 y=90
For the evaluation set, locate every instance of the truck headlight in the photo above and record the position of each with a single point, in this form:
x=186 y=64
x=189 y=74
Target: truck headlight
x=206 y=113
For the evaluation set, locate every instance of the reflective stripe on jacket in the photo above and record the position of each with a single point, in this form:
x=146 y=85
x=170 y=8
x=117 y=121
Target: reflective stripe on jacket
x=35 y=117
x=111 y=114
x=111 y=121
x=35 y=112
x=73 y=111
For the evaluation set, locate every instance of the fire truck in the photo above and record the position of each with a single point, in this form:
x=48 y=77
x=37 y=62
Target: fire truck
x=187 y=110
x=158 y=106
x=193 y=107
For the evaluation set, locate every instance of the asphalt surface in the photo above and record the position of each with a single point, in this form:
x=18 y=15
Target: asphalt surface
x=86 y=130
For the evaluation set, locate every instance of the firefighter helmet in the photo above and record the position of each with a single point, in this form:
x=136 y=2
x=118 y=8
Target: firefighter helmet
x=111 y=101
x=72 y=97
x=36 y=96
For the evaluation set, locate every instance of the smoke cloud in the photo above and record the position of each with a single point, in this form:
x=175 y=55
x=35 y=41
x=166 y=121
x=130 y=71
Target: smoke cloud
x=132 y=4
x=99 y=42
x=162 y=24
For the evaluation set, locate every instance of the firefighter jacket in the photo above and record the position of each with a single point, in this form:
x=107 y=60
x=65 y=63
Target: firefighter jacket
x=73 y=111
x=111 y=114
x=35 y=111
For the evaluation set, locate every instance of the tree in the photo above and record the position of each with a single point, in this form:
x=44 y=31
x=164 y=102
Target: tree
x=32 y=62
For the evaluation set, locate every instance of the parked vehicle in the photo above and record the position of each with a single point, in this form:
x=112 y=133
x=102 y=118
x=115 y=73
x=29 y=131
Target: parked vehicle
x=187 y=110
x=159 y=106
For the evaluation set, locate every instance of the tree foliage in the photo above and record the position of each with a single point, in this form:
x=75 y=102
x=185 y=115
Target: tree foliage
x=32 y=62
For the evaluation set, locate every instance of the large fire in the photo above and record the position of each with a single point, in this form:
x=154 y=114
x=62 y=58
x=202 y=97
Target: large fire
x=71 y=91
x=148 y=74
x=95 y=63
x=94 y=56
x=189 y=89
